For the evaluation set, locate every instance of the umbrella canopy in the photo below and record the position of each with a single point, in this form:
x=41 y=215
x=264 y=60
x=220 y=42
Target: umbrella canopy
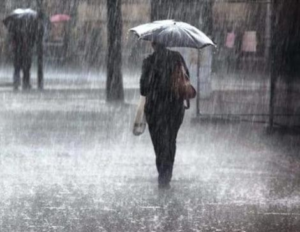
x=172 y=34
x=21 y=12
x=59 y=18
x=20 y=19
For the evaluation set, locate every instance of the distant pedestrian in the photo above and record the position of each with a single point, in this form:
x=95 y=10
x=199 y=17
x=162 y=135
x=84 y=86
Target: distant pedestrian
x=22 y=26
x=163 y=109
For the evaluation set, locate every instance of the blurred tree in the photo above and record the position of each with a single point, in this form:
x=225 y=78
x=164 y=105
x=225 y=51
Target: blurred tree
x=207 y=17
x=40 y=47
x=114 y=83
x=162 y=9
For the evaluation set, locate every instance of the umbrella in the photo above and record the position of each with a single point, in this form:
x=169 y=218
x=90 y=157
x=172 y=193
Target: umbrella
x=59 y=18
x=20 y=19
x=175 y=34
x=172 y=34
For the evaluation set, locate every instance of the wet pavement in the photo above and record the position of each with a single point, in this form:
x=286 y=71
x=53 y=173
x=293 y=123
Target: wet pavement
x=69 y=162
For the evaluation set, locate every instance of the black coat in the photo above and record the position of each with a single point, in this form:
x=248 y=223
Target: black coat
x=156 y=85
x=23 y=30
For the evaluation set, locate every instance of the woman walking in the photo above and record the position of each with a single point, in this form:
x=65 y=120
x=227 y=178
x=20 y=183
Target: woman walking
x=164 y=110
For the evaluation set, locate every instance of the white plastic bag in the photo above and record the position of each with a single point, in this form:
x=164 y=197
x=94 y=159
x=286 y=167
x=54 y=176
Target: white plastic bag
x=139 y=124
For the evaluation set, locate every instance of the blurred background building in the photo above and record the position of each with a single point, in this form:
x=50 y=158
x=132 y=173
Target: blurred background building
x=247 y=47
x=82 y=39
x=241 y=29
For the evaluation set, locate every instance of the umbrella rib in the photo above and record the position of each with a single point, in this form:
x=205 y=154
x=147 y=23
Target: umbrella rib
x=190 y=36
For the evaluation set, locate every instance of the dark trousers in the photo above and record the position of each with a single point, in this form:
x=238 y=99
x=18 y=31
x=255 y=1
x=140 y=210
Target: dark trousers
x=163 y=130
x=22 y=62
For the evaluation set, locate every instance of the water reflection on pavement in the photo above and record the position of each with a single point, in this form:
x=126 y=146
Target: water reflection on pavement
x=69 y=162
